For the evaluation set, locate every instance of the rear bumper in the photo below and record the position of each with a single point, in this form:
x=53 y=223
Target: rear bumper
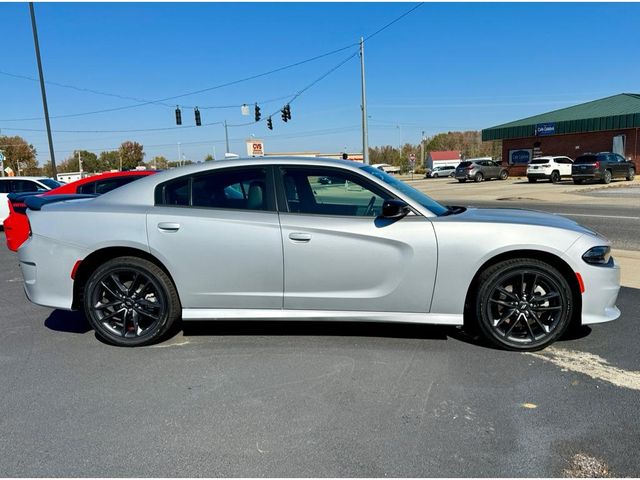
x=540 y=175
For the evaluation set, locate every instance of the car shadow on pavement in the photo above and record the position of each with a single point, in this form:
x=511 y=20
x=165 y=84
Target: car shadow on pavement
x=65 y=321
x=315 y=328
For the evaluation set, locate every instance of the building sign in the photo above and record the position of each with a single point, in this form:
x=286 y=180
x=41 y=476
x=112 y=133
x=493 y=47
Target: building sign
x=255 y=148
x=545 y=129
x=520 y=157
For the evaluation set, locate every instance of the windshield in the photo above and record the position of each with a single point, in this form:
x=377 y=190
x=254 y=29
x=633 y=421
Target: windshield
x=409 y=191
x=50 y=183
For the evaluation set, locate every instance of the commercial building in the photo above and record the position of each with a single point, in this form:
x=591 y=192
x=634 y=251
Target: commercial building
x=444 y=158
x=610 y=124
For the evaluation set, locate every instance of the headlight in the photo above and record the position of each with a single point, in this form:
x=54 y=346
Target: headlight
x=598 y=256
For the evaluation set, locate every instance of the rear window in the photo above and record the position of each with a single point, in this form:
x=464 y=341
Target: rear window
x=49 y=183
x=591 y=158
x=464 y=164
x=539 y=161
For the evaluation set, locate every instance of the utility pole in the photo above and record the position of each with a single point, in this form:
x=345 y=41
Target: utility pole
x=54 y=170
x=179 y=155
x=80 y=163
x=365 y=128
x=422 y=150
x=226 y=137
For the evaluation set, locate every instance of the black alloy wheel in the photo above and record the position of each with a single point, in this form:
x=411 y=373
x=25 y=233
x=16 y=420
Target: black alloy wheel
x=555 y=177
x=606 y=177
x=130 y=302
x=523 y=304
x=478 y=177
x=632 y=174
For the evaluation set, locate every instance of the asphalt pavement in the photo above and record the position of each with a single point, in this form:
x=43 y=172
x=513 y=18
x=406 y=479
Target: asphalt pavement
x=301 y=399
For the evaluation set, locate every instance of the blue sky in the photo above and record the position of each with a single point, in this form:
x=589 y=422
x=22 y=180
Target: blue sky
x=453 y=66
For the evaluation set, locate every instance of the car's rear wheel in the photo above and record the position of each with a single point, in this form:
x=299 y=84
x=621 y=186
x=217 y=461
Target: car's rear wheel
x=478 y=177
x=130 y=302
x=555 y=177
x=523 y=304
x=606 y=177
x=503 y=175
x=632 y=174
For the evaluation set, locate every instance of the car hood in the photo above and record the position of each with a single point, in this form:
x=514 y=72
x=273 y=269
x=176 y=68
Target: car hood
x=517 y=216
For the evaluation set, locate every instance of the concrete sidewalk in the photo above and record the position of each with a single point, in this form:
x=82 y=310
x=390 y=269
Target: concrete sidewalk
x=630 y=267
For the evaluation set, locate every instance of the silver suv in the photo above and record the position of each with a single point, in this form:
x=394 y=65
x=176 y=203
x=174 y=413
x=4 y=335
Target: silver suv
x=479 y=170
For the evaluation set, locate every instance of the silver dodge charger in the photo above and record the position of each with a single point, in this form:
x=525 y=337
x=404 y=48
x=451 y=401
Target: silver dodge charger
x=271 y=238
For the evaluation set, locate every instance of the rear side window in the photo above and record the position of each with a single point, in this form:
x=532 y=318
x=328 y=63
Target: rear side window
x=243 y=189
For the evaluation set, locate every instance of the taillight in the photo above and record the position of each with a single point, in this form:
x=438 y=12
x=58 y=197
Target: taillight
x=597 y=164
x=470 y=167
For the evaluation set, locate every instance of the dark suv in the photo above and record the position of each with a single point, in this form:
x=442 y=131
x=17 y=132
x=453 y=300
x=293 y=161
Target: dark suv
x=601 y=166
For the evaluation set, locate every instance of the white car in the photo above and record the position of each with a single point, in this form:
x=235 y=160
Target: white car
x=386 y=168
x=21 y=184
x=549 y=168
x=442 y=171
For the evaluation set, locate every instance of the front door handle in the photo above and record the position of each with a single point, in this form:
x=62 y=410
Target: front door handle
x=168 y=227
x=300 y=237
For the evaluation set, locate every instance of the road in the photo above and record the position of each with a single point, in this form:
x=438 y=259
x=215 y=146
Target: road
x=309 y=399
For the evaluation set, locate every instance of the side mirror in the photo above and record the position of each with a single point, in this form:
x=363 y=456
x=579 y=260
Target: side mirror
x=394 y=209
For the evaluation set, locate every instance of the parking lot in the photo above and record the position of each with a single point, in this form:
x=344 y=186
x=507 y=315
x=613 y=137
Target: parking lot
x=303 y=399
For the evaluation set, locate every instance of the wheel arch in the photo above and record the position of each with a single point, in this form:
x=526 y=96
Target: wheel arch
x=557 y=262
x=97 y=258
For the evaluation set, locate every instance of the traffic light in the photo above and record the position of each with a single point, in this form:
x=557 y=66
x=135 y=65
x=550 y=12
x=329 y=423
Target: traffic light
x=288 y=110
x=269 y=124
x=257 y=115
x=178 y=116
x=285 y=116
x=198 y=120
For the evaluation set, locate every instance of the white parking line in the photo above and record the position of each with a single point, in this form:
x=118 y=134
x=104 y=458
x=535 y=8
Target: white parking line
x=598 y=216
x=591 y=365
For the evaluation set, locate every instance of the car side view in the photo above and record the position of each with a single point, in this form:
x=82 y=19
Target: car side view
x=549 y=168
x=603 y=166
x=16 y=225
x=265 y=239
x=480 y=170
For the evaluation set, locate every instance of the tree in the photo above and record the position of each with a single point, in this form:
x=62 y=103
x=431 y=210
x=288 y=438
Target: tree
x=90 y=162
x=19 y=153
x=109 y=160
x=178 y=164
x=208 y=158
x=158 y=162
x=131 y=154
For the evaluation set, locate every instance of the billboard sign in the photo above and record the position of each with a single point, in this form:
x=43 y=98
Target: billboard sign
x=545 y=129
x=255 y=148
x=520 y=157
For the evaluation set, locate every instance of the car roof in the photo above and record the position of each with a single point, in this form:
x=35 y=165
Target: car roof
x=24 y=178
x=141 y=191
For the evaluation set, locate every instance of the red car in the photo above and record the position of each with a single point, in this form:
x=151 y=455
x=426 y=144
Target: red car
x=16 y=225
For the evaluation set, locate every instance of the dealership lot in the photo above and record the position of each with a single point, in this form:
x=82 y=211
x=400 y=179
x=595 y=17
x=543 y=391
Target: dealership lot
x=314 y=399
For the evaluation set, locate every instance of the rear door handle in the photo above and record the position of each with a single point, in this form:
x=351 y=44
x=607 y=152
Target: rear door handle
x=168 y=227
x=300 y=237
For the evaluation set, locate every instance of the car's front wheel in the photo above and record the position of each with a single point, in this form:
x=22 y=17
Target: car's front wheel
x=523 y=304
x=632 y=174
x=131 y=302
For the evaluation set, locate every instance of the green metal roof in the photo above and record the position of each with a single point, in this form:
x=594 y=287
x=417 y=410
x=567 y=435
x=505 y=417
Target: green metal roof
x=610 y=113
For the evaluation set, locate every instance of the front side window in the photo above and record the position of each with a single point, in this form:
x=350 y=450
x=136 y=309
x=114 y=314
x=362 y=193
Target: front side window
x=244 y=189
x=323 y=191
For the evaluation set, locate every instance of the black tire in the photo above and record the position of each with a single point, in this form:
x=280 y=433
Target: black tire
x=606 y=177
x=632 y=174
x=578 y=181
x=532 y=180
x=435 y=175
x=503 y=175
x=462 y=180
x=478 y=177
x=524 y=322
x=131 y=302
x=555 y=176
